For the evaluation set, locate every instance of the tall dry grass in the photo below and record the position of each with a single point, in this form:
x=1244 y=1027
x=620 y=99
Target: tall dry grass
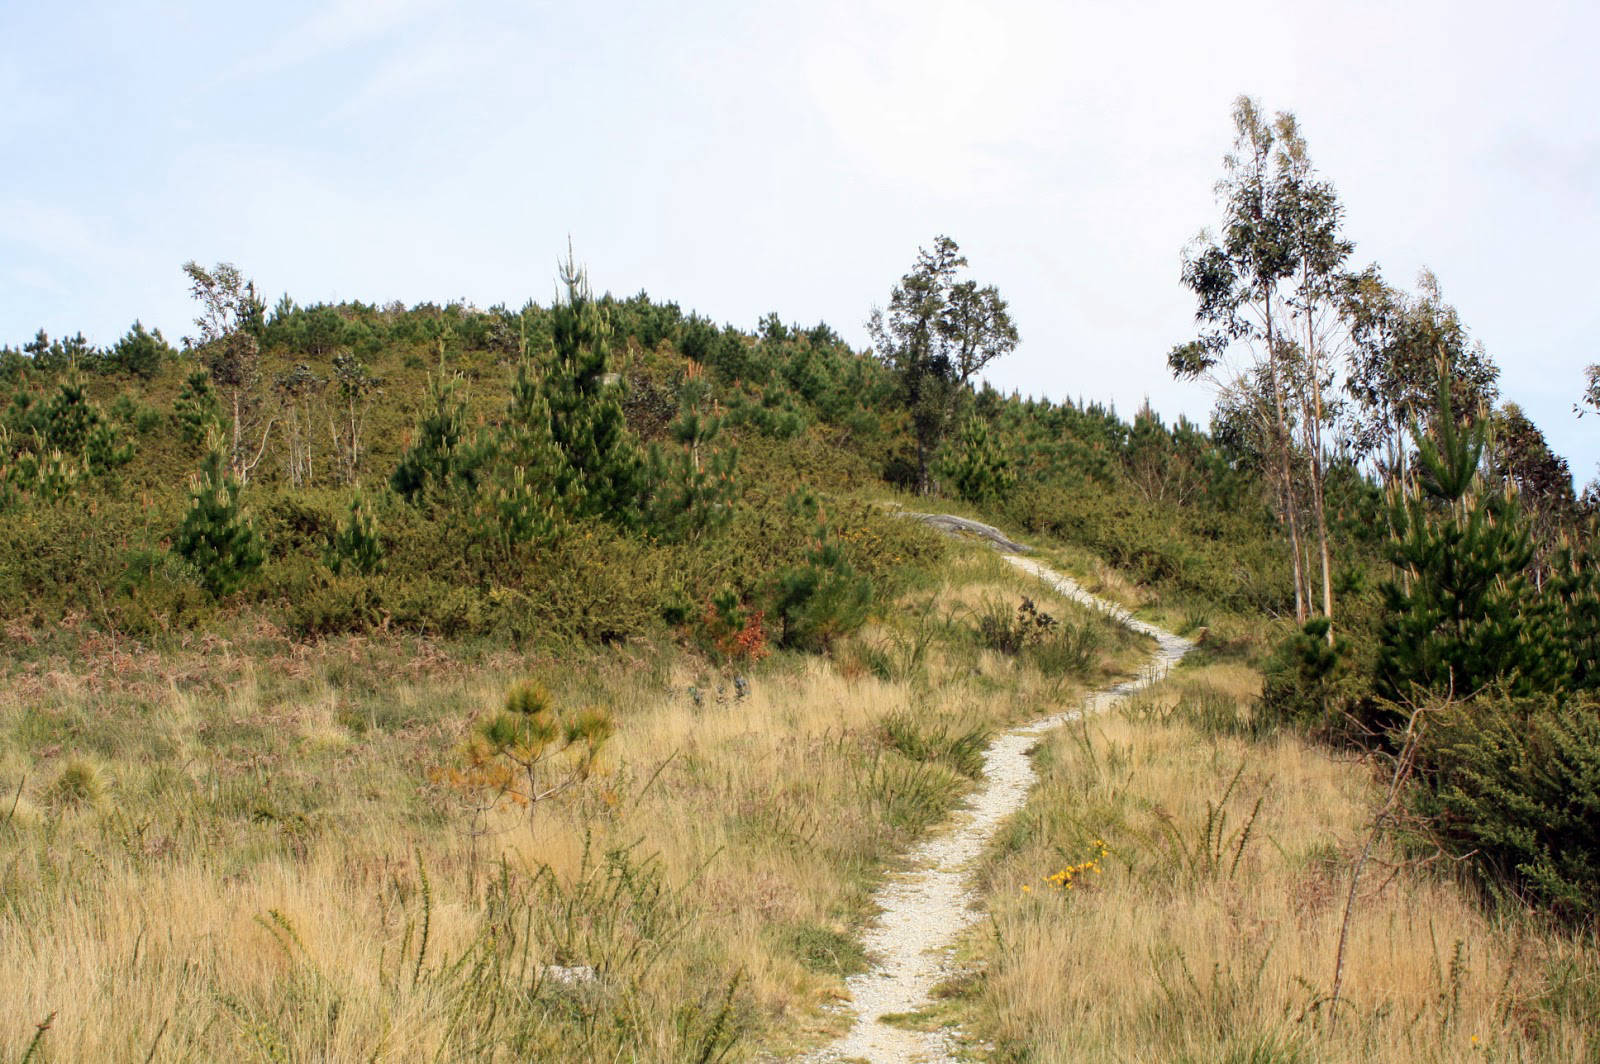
x=1209 y=931
x=244 y=852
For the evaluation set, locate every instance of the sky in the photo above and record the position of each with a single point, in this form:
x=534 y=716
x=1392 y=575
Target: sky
x=741 y=158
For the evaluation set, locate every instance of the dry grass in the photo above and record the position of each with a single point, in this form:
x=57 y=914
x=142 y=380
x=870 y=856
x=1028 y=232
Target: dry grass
x=1210 y=933
x=241 y=851
x=264 y=867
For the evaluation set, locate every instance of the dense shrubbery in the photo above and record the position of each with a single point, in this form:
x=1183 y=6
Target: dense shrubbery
x=1472 y=671
x=514 y=434
x=550 y=489
x=1517 y=782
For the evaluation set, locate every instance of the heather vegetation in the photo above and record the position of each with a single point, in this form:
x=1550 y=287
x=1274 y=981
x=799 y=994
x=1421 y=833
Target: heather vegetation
x=556 y=682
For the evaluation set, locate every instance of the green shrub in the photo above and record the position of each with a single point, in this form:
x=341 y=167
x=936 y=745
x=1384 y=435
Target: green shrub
x=156 y=594
x=996 y=628
x=1302 y=680
x=820 y=600
x=910 y=795
x=320 y=604
x=1068 y=649
x=923 y=740
x=822 y=949
x=1517 y=781
x=79 y=784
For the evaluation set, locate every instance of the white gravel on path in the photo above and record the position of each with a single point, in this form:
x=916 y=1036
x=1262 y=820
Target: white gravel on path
x=924 y=910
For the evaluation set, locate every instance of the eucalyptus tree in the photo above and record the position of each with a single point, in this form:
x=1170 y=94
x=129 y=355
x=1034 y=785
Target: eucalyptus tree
x=1399 y=340
x=1316 y=300
x=296 y=389
x=1520 y=458
x=230 y=321
x=1591 y=390
x=936 y=336
x=1240 y=277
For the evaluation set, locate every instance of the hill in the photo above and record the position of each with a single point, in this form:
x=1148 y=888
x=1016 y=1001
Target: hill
x=559 y=683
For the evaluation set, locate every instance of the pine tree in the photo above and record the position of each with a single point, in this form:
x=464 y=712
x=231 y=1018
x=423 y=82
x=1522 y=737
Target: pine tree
x=691 y=490
x=521 y=508
x=217 y=536
x=1460 y=617
x=525 y=465
x=1575 y=587
x=976 y=467
x=824 y=598
x=140 y=353
x=64 y=438
x=56 y=475
x=440 y=455
x=355 y=543
x=198 y=409
x=601 y=473
x=65 y=422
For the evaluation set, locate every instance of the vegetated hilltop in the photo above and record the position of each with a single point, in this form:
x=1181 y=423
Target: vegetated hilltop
x=600 y=469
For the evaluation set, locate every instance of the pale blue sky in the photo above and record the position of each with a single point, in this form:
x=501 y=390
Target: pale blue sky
x=741 y=158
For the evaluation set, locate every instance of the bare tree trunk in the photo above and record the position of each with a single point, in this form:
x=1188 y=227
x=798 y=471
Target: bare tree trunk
x=1313 y=419
x=1319 y=508
x=1281 y=438
x=236 y=451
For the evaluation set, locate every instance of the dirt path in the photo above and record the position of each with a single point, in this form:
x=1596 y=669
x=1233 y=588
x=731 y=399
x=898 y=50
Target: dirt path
x=925 y=909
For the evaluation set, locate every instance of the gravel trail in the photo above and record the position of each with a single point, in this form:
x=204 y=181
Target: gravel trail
x=925 y=909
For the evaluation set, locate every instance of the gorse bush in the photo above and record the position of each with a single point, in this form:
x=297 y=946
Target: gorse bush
x=1516 y=781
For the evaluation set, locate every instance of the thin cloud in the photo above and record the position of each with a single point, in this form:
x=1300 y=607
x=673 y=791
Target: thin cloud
x=447 y=62
x=334 y=28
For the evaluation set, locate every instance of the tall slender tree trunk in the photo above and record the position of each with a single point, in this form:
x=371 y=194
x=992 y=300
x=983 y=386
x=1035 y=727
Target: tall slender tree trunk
x=924 y=484
x=1319 y=508
x=1314 y=446
x=1285 y=470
